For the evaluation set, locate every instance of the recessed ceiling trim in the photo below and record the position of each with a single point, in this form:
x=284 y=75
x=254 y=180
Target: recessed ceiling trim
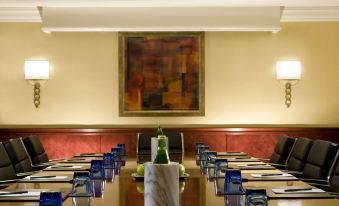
x=56 y=19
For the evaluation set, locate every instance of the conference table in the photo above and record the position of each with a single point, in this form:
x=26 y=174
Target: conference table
x=195 y=191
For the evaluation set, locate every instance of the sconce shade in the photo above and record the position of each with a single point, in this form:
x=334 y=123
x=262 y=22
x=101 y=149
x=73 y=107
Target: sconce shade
x=36 y=70
x=288 y=70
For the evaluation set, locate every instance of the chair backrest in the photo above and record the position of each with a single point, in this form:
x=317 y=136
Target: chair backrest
x=299 y=154
x=320 y=159
x=35 y=149
x=144 y=142
x=6 y=168
x=175 y=142
x=18 y=155
x=282 y=150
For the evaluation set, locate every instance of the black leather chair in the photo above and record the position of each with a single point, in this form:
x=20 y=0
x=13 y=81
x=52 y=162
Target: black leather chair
x=175 y=146
x=334 y=183
x=144 y=147
x=18 y=155
x=282 y=150
x=7 y=171
x=35 y=150
x=299 y=154
x=320 y=160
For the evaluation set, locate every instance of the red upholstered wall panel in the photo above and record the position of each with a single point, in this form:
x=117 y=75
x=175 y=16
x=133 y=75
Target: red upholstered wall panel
x=68 y=145
x=260 y=142
x=111 y=140
x=257 y=145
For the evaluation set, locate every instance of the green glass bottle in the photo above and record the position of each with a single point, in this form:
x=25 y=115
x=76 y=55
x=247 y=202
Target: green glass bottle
x=159 y=131
x=162 y=153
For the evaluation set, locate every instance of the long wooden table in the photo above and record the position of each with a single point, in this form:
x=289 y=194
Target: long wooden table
x=196 y=191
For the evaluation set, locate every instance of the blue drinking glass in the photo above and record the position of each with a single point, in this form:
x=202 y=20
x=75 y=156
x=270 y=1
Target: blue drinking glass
x=50 y=199
x=109 y=166
x=233 y=182
x=81 y=201
x=197 y=145
x=233 y=200
x=220 y=165
x=82 y=185
x=123 y=149
x=256 y=197
x=98 y=187
x=97 y=170
x=198 y=155
x=122 y=153
x=108 y=159
x=116 y=151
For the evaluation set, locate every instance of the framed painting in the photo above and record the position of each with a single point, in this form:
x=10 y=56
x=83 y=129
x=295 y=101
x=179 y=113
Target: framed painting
x=161 y=74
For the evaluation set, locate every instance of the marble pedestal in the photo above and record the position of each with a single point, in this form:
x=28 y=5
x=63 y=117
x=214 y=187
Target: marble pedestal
x=161 y=184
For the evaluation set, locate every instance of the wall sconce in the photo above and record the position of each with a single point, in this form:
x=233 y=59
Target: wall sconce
x=36 y=73
x=289 y=73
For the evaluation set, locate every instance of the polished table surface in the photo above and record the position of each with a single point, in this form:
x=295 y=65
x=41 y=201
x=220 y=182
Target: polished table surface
x=196 y=191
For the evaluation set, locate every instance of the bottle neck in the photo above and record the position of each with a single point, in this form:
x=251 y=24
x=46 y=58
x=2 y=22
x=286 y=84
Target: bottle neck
x=162 y=144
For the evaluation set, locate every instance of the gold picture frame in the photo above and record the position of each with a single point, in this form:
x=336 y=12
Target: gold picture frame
x=161 y=74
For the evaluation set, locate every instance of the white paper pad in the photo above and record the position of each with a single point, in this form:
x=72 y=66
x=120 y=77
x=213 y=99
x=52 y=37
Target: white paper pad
x=61 y=167
x=47 y=178
x=28 y=194
x=282 y=191
x=271 y=176
x=257 y=165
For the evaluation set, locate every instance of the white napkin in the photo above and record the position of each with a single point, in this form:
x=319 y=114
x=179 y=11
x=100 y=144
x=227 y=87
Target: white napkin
x=271 y=176
x=28 y=194
x=282 y=191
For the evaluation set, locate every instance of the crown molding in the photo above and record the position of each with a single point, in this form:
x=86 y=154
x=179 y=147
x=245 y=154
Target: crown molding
x=19 y=14
x=289 y=14
x=307 y=14
x=165 y=3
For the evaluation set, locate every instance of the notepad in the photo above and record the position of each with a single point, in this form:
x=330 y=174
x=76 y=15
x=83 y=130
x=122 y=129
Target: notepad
x=271 y=175
x=299 y=190
x=45 y=178
x=254 y=165
x=64 y=167
x=28 y=194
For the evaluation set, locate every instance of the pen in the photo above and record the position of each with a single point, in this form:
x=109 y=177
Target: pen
x=14 y=193
x=267 y=175
x=61 y=166
x=256 y=165
x=296 y=190
x=42 y=177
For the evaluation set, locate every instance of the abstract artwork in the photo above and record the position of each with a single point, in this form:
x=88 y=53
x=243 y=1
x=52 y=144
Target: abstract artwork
x=161 y=74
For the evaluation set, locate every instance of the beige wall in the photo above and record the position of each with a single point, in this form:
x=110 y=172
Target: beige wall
x=239 y=77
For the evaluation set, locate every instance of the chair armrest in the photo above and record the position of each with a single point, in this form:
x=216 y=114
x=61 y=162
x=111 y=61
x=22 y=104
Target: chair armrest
x=24 y=174
x=294 y=173
x=318 y=181
x=40 y=166
x=319 y=185
x=279 y=165
x=336 y=194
